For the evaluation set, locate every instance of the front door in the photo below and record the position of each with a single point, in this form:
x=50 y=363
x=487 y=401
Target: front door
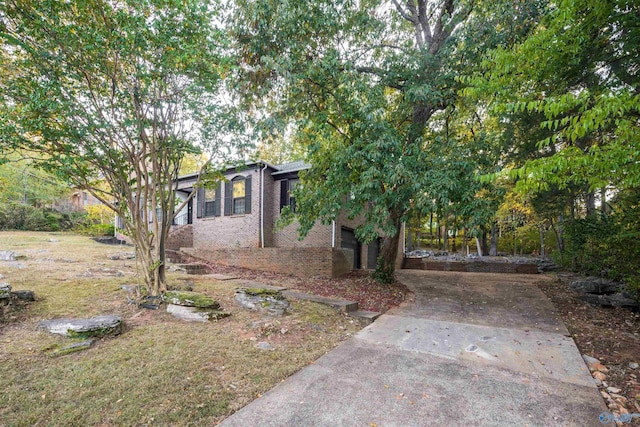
x=190 y=211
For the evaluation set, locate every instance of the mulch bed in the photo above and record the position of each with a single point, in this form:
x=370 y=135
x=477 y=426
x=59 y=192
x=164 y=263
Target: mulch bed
x=611 y=335
x=356 y=286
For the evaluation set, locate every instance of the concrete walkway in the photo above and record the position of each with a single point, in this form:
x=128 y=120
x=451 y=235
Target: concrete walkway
x=473 y=349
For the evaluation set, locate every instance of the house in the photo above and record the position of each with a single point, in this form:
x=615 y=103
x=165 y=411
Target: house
x=235 y=224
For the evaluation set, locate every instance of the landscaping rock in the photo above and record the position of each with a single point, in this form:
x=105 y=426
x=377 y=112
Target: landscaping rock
x=150 y=302
x=72 y=348
x=594 y=364
x=614 y=300
x=267 y=300
x=5 y=290
x=596 y=285
x=7 y=256
x=633 y=365
x=123 y=256
x=24 y=295
x=190 y=299
x=84 y=328
x=264 y=346
x=195 y=314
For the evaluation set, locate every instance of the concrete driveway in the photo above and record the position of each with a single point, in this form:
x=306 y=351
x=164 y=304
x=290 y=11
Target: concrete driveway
x=473 y=349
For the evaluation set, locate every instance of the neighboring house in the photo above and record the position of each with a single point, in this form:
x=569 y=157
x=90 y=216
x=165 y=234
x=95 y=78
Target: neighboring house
x=77 y=201
x=235 y=224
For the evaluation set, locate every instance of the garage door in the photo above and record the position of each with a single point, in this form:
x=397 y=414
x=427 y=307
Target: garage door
x=349 y=241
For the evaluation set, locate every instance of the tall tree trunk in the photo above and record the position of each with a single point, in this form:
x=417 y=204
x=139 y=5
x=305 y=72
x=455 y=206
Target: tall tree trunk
x=603 y=201
x=493 y=251
x=483 y=241
x=431 y=231
x=559 y=232
x=590 y=202
x=445 y=238
x=386 y=266
x=478 y=247
x=465 y=246
x=542 y=248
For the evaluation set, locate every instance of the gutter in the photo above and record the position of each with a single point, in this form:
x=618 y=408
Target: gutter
x=333 y=234
x=262 y=205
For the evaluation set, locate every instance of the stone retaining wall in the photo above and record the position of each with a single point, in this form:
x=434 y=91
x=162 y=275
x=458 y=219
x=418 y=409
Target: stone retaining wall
x=465 y=266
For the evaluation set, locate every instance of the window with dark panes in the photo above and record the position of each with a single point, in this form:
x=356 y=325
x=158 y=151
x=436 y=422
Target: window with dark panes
x=287 y=193
x=238 y=196
x=210 y=202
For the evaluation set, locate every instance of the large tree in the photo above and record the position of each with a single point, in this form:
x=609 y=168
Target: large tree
x=115 y=92
x=359 y=83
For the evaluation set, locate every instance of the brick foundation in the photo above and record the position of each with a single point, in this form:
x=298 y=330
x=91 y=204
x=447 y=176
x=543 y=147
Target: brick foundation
x=301 y=262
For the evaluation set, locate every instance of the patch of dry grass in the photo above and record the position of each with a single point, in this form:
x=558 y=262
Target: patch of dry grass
x=160 y=370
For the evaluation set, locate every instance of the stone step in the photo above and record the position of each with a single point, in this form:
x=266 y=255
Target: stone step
x=193 y=268
x=338 y=304
x=365 y=316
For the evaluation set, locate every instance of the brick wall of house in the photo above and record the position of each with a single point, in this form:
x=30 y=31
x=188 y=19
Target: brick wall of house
x=239 y=231
x=318 y=236
x=180 y=238
x=270 y=199
x=301 y=262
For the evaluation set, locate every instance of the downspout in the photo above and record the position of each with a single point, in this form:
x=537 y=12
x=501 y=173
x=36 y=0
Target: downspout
x=333 y=234
x=262 y=206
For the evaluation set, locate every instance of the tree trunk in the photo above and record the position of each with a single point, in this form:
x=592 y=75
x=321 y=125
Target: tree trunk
x=603 y=201
x=542 y=248
x=465 y=247
x=479 y=247
x=590 y=201
x=386 y=266
x=431 y=232
x=559 y=232
x=493 y=250
x=445 y=238
x=453 y=245
x=485 y=247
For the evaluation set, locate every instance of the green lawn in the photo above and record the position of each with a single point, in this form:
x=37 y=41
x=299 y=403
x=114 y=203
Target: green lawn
x=160 y=370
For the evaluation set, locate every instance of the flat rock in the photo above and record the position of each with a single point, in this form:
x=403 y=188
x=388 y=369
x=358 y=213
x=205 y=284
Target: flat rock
x=72 y=348
x=262 y=345
x=190 y=299
x=24 y=295
x=595 y=285
x=123 y=256
x=261 y=299
x=195 y=314
x=92 y=327
x=338 y=304
x=7 y=256
x=222 y=277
